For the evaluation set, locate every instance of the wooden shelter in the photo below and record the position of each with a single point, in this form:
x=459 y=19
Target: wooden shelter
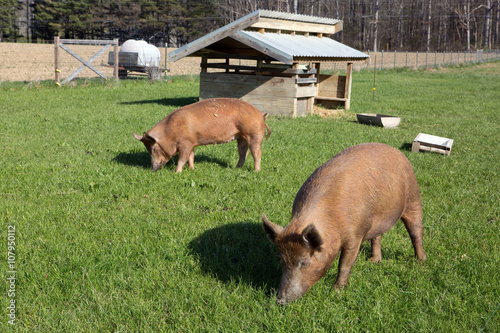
x=272 y=60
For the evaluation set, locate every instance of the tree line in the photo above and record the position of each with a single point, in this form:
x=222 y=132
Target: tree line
x=403 y=25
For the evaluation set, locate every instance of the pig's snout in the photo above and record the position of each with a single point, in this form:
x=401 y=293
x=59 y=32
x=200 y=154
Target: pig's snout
x=284 y=298
x=158 y=166
x=290 y=289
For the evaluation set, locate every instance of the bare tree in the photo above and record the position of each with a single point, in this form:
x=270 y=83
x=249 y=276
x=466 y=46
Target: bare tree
x=487 y=19
x=496 y=38
x=400 y=24
x=375 y=26
x=429 y=23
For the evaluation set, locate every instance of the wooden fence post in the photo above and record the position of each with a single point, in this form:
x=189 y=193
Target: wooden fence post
x=56 y=61
x=117 y=59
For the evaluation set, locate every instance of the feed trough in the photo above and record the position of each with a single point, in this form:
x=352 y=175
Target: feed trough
x=137 y=56
x=378 y=120
x=436 y=144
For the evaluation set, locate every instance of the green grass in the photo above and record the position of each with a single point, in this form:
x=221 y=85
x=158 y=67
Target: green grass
x=104 y=244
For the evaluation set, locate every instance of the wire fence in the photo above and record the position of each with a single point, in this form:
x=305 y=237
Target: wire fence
x=34 y=62
x=417 y=60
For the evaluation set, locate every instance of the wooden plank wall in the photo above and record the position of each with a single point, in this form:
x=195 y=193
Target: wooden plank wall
x=275 y=95
x=331 y=86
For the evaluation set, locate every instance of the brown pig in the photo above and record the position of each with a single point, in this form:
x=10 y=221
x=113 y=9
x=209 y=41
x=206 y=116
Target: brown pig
x=357 y=195
x=211 y=121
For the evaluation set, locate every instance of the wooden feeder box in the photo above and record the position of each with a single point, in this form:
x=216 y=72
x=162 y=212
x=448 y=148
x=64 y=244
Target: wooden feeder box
x=378 y=120
x=432 y=143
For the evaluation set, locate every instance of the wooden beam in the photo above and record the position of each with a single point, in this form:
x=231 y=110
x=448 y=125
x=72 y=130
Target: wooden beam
x=214 y=36
x=86 y=41
x=275 y=24
x=348 y=83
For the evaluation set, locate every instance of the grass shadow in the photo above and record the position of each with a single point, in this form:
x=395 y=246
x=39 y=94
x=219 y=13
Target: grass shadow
x=176 y=102
x=239 y=252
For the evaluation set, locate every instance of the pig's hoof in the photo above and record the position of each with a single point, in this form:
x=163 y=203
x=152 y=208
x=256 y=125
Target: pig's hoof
x=375 y=260
x=281 y=301
x=339 y=285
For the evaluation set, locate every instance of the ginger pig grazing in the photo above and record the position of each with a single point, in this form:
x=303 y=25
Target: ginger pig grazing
x=357 y=195
x=211 y=121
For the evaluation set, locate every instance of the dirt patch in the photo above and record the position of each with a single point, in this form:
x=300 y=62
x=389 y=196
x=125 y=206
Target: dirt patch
x=35 y=62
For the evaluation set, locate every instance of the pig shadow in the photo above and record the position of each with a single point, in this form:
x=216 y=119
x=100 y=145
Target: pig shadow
x=135 y=159
x=238 y=252
x=388 y=252
x=176 y=102
x=143 y=160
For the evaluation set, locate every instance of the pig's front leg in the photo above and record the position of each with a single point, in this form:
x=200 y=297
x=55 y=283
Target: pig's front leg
x=185 y=155
x=347 y=258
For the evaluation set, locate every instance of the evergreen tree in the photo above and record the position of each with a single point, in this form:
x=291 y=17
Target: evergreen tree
x=8 y=27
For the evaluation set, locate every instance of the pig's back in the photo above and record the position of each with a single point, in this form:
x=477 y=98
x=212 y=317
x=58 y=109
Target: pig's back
x=356 y=182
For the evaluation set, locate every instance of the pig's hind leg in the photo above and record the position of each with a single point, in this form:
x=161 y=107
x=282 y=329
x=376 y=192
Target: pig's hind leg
x=242 y=151
x=254 y=144
x=191 y=160
x=412 y=219
x=376 y=249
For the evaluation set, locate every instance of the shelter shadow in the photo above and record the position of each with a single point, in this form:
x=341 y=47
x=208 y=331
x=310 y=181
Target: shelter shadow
x=406 y=146
x=238 y=252
x=177 y=102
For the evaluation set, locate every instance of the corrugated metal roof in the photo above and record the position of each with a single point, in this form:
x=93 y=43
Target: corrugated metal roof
x=282 y=47
x=286 y=48
x=297 y=17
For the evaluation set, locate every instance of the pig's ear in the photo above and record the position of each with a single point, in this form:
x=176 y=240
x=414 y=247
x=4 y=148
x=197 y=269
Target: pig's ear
x=138 y=137
x=148 y=138
x=312 y=238
x=272 y=230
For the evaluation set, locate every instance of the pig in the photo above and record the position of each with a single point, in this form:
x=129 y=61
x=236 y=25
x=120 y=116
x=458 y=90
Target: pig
x=211 y=121
x=357 y=195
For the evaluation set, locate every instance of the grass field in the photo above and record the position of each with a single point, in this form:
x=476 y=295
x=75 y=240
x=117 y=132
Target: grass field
x=103 y=244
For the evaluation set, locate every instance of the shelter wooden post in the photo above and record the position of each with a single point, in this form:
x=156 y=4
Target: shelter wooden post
x=204 y=62
x=117 y=59
x=348 y=83
x=56 y=61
